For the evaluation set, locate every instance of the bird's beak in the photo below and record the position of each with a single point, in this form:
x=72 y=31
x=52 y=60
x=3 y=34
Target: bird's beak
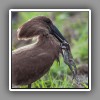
x=57 y=34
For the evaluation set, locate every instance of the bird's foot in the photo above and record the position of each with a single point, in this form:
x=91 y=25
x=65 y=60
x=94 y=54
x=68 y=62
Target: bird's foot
x=29 y=86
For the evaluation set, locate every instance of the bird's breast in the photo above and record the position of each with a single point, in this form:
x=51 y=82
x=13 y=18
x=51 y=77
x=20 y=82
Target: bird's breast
x=29 y=63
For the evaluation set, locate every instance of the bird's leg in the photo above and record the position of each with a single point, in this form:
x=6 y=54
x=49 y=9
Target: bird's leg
x=29 y=86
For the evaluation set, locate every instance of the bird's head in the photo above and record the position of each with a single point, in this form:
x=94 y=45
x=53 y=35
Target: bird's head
x=37 y=26
x=43 y=25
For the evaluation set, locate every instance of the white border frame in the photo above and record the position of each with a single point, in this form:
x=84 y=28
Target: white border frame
x=48 y=11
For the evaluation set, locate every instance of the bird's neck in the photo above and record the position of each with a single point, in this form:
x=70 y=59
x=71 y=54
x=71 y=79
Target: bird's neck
x=50 y=45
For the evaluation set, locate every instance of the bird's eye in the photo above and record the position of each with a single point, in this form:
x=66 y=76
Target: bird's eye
x=47 y=21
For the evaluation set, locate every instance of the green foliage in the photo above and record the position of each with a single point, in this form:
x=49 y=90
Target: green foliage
x=80 y=48
x=85 y=86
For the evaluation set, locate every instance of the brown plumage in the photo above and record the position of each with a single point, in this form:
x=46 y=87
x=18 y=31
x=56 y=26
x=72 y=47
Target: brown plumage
x=31 y=62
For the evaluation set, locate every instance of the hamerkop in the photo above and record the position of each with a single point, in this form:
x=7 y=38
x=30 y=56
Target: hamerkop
x=31 y=62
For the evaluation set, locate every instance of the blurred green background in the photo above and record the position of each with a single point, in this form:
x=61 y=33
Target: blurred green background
x=74 y=27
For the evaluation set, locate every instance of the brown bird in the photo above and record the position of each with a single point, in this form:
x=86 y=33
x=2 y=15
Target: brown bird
x=31 y=62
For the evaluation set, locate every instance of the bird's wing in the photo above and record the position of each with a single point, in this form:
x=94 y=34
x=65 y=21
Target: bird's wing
x=29 y=66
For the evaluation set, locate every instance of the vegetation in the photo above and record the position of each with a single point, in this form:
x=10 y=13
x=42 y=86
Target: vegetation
x=74 y=26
